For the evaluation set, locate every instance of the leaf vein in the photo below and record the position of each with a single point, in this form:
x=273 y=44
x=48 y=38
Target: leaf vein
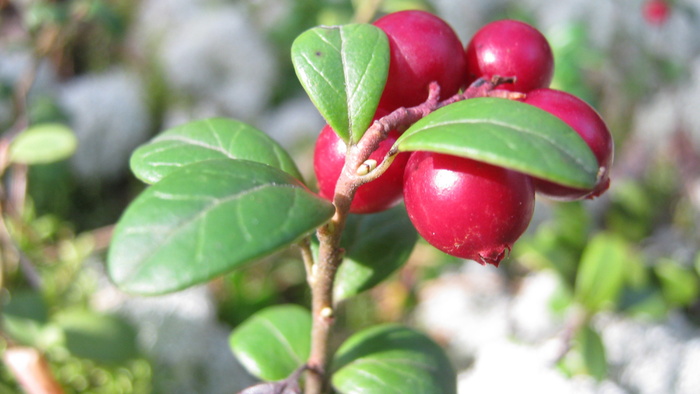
x=567 y=152
x=284 y=341
x=202 y=144
x=325 y=39
x=313 y=67
x=167 y=235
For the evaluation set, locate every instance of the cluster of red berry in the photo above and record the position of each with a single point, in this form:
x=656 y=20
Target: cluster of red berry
x=463 y=207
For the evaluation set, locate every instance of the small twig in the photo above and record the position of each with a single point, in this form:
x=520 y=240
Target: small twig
x=288 y=385
x=31 y=370
x=308 y=258
x=403 y=118
x=573 y=324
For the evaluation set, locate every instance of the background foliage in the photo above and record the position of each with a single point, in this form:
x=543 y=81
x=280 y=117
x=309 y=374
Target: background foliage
x=612 y=283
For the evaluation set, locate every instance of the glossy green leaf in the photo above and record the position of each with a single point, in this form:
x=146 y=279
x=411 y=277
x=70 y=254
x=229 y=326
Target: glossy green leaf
x=601 y=273
x=44 y=143
x=207 y=218
x=343 y=70
x=103 y=338
x=592 y=349
x=274 y=342
x=392 y=359
x=208 y=139
x=509 y=134
x=375 y=246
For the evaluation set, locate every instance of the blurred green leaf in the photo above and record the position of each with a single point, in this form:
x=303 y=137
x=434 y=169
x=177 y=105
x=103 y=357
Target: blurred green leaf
x=208 y=139
x=24 y=318
x=207 y=218
x=561 y=299
x=343 y=70
x=545 y=249
x=632 y=211
x=586 y=356
x=679 y=286
x=375 y=246
x=41 y=13
x=274 y=342
x=575 y=58
x=27 y=305
x=509 y=134
x=392 y=359
x=593 y=350
x=646 y=303
x=388 y=6
x=601 y=273
x=573 y=224
x=44 y=143
x=100 y=337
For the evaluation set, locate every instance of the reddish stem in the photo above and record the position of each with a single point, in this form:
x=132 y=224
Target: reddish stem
x=330 y=255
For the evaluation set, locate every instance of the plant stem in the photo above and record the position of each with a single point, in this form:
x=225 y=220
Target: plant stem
x=321 y=275
x=330 y=255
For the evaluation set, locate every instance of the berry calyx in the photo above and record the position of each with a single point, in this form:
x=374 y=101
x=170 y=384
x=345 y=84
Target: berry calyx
x=423 y=48
x=510 y=48
x=467 y=208
x=590 y=126
x=375 y=196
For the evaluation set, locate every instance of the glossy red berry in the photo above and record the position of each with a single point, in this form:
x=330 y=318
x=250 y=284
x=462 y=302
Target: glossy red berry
x=378 y=195
x=510 y=48
x=656 y=12
x=467 y=208
x=423 y=48
x=590 y=126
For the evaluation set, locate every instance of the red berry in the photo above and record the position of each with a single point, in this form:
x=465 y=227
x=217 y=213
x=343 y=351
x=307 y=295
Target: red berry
x=378 y=195
x=656 y=12
x=467 y=208
x=423 y=48
x=510 y=48
x=590 y=126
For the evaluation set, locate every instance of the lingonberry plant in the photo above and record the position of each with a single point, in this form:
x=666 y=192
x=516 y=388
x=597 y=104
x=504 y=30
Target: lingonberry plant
x=223 y=194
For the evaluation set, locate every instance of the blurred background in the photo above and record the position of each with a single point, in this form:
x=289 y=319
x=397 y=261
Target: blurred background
x=97 y=78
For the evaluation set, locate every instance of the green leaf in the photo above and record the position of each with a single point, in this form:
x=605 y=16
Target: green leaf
x=24 y=318
x=375 y=246
x=44 y=143
x=679 y=286
x=274 y=342
x=601 y=273
x=392 y=359
x=593 y=351
x=103 y=338
x=343 y=70
x=509 y=134
x=207 y=218
x=208 y=139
